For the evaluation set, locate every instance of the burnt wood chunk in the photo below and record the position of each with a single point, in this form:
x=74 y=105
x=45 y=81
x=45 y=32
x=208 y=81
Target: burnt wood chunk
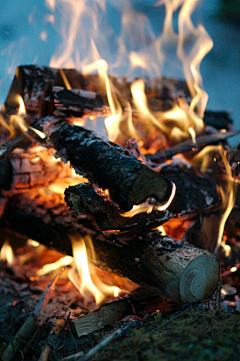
x=106 y=164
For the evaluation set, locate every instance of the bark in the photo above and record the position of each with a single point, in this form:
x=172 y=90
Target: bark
x=108 y=165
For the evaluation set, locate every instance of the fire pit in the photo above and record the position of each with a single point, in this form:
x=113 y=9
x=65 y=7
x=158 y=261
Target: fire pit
x=126 y=182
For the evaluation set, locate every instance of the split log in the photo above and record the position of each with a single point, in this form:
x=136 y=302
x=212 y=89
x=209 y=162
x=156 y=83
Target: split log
x=107 y=164
x=114 y=311
x=158 y=263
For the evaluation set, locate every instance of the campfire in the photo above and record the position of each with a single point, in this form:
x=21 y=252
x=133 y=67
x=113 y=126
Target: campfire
x=119 y=193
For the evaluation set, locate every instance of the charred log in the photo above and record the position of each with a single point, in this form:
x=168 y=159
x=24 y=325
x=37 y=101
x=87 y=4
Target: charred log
x=83 y=199
x=193 y=195
x=107 y=164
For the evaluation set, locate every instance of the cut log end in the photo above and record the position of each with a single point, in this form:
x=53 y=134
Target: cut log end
x=199 y=278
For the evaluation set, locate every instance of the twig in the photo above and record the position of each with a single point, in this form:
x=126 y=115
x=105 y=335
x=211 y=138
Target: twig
x=186 y=308
x=52 y=338
x=111 y=338
x=30 y=322
x=47 y=295
x=218 y=295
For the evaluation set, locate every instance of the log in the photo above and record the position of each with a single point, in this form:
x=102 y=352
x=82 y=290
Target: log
x=106 y=164
x=158 y=263
x=84 y=199
x=194 y=195
x=114 y=311
x=190 y=147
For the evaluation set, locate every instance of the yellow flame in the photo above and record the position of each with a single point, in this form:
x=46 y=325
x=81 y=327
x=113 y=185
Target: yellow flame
x=191 y=60
x=227 y=248
x=138 y=48
x=38 y=132
x=233 y=269
x=49 y=267
x=86 y=272
x=162 y=230
x=148 y=208
x=6 y=253
x=32 y=243
x=207 y=162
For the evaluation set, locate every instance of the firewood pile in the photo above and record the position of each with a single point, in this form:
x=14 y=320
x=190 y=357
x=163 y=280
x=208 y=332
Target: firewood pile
x=161 y=217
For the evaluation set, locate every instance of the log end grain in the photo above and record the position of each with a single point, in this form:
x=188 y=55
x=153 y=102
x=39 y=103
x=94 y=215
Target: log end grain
x=199 y=278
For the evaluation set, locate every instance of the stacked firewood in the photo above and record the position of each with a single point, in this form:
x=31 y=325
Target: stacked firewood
x=117 y=179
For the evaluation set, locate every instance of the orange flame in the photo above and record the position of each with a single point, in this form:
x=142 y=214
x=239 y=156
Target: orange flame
x=150 y=54
x=207 y=162
x=86 y=279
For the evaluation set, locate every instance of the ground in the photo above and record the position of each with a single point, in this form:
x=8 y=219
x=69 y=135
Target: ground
x=199 y=334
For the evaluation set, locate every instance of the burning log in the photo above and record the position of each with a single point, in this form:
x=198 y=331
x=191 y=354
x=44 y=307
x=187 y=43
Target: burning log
x=109 y=165
x=84 y=199
x=178 y=271
x=189 y=145
x=46 y=90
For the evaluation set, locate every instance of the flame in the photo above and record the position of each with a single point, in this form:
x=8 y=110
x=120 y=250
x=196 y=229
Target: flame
x=85 y=30
x=32 y=243
x=6 y=253
x=202 y=44
x=83 y=280
x=49 y=267
x=207 y=163
x=148 y=208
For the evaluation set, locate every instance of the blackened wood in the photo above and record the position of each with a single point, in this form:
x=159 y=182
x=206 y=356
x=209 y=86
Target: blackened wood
x=77 y=102
x=106 y=164
x=219 y=120
x=233 y=157
x=5 y=174
x=188 y=146
x=194 y=195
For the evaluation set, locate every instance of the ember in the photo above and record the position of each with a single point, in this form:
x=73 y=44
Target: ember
x=115 y=188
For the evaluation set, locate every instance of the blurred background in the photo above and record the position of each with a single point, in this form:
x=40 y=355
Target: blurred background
x=29 y=34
